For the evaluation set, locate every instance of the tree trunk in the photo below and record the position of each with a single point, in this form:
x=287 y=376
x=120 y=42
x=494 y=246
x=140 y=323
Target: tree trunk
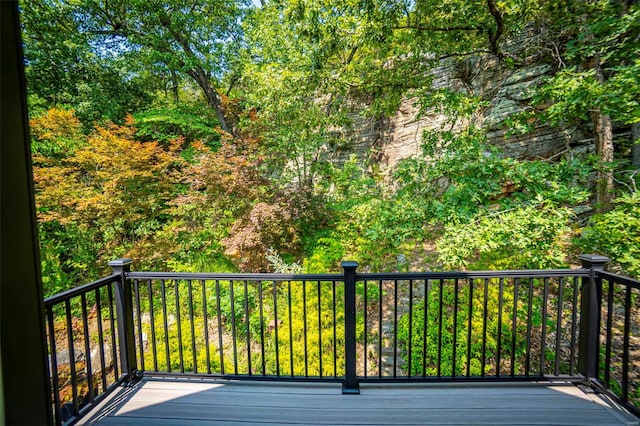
x=213 y=98
x=603 y=132
x=603 y=135
x=174 y=87
x=214 y=102
x=635 y=145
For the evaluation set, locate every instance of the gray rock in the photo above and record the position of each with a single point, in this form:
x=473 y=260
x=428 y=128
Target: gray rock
x=96 y=365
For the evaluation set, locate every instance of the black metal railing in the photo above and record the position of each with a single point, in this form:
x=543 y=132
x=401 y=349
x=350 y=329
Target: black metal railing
x=84 y=357
x=618 y=365
x=259 y=326
x=478 y=325
x=579 y=325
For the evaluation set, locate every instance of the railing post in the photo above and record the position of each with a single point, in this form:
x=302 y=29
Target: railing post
x=350 y=384
x=590 y=301
x=124 y=310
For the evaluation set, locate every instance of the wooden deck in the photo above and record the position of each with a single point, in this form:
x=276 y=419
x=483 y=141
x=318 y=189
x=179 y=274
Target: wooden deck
x=199 y=402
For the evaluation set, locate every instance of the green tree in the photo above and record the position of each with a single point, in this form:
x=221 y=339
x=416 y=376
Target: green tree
x=179 y=37
x=105 y=195
x=64 y=68
x=598 y=77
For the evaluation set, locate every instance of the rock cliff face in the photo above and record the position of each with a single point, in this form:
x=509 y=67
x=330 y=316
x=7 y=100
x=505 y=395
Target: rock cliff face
x=386 y=141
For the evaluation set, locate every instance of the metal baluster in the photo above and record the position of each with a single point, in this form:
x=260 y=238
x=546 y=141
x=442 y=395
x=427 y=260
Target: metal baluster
x=72 y=358
x=166 y=325
x=220 y=345
x=335 y=337
x=114 y=348
x=455 y=328
x=304 y=327
x=320 y=328
x=380 y=329
x=275 y=323
x=514 y=325
x=499 y=340
x=625 y=344
x=409 y=343
x=138 y=308
x=152 y=320
x=543 y=338
x=395 y=328
x=440 y=300
x=206 y=324
x=559 y=328
x=485 y=314
x=608 y=347
x=248 y=330
x=233 y=328
x=179 y=323
x=194 y=358
x=87 y=347
x=260 y=302
x=290 y=330
x=469 y=326
x=529 y=326
x=425 y=334
x=103 y=368
x=574 y=322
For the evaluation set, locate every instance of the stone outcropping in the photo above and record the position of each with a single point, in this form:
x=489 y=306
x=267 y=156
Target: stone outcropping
x=388 y=140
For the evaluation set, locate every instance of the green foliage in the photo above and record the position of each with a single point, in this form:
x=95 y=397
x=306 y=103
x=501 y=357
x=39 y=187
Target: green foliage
x=64 y=68
x=98 y=197
x=609 y=33
x=616 y=234
x=326 y=256
x=467 y=176
x=380 y=229
x=190 y=122
x=56 y=133
x=530 y=237
x=176 y=350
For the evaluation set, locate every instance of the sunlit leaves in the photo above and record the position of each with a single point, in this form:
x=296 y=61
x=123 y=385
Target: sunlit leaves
x=529 y=237
x=616 y=234
x=105 y=194
x=611 y=34
x=55 y=134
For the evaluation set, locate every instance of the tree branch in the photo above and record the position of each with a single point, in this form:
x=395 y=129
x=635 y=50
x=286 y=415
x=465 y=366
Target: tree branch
x=458 y=54
x=437 y=29
x=494 y=36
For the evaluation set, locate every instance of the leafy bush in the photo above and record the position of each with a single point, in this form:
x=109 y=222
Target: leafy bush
x=531 y=237
x=461 y=176
x=56 y=133
x=311 y=314
x=189 y=122
x=326 y=256
x=266 y=226
x=616 y=234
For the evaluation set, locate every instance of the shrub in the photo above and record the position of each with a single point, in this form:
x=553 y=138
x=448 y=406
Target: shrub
x=616 y=234
x=531 y=237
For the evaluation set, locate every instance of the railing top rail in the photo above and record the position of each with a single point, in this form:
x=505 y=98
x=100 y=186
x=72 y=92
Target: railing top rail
x=233 y=277
x=77 y=291
x=620 y=279
x=528 y=273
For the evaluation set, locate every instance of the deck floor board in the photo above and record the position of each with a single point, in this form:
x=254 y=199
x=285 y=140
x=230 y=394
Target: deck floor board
x=190 y=402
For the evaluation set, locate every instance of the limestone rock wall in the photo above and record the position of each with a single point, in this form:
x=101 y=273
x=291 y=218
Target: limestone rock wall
x=386 y=141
